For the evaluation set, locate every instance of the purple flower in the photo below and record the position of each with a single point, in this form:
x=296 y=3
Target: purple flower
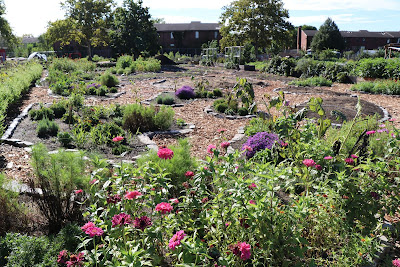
x=185 y=92
x=258 y=142
x=142 y=222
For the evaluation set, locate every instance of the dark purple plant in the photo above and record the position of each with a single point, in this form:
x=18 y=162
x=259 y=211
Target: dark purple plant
x=185 y=92
x=259 y=142
x=96 y=85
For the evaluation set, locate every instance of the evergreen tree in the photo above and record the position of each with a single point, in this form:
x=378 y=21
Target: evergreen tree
x=328 y=37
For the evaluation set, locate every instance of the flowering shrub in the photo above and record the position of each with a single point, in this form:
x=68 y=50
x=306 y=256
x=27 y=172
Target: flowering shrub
x=185 y=92
x=259 y=142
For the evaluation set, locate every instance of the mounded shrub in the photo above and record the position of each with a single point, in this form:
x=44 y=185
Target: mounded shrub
x=109 y=80
x=47 y=128
x=185 y=92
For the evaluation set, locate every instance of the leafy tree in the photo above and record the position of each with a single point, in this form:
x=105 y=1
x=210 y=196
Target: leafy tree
x=307 y=27
x=133 y=31
x=328 y=37
x=259 y=22
x=86 y=23
x=7 y=36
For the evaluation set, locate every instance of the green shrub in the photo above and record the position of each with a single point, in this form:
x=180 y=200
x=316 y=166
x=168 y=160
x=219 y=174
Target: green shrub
x=109 y=80
x=146 y=65
x=120 y=71
x=76 y=100
x=281 y=66
x=124 y=62
x=222 y=107
x=165 y=100
x=65 y=139
x=313 y=81
x=58 y=175
x=210 y=94
x=141 y=118
x=378 y=87
x=217 y=92
x=46 y=128
x=243 y=111
x=59 y=108
x=41 y=113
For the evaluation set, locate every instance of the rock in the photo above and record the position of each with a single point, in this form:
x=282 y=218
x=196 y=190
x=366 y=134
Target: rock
x=10 y=165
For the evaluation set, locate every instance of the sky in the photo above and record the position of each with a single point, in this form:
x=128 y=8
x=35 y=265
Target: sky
x=32 y=16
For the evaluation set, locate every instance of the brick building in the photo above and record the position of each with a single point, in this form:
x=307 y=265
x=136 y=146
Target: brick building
x=355 y=40
x=186 y=38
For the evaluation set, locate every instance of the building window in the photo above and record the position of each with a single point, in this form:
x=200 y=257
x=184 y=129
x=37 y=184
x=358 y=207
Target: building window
x=388 y=41
x=172 y=35
x=363 y=39
x=215 y=35
x=197 y=35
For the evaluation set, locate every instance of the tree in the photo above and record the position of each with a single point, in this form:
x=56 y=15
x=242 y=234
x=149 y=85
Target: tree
x=259 y=22
x=328 y=37
x=133 y=31
x=7 y=36
x=86 y=23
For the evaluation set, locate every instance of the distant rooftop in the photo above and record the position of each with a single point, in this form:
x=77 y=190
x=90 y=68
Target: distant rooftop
x=192 y=26
x=361 y=33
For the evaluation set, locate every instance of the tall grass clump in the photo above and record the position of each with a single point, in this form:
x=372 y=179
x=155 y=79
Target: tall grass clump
x=313 y=81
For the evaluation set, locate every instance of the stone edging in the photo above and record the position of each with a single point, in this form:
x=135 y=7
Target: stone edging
x=208 y=110
x=148 y=101
x=11 y=129
x=239 y=136
x=277 y=90
x=106 y=97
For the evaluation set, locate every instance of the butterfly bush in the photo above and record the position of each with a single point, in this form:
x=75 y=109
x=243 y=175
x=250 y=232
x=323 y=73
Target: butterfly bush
x=258 y=142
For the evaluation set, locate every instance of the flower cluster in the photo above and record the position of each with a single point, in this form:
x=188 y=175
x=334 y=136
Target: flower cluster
x=164 y=207
x=396 y=262
x=259 y=142
x=132 y=194
x=121 y=219
x=241 y=249
x=142 y=222
x=211 y=148
x=185 y=92
x=91 y=229
x=165 y=153
x=176 y=239
x=225 y=145
x=73 y=260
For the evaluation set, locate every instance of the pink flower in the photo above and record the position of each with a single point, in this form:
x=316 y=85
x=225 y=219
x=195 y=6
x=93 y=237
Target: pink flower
x=247 y=148
x=349 y=161
x=222 y=130
x=204 y=200
x=76 y=260
x=174 y=200
x=309 y=162
x=121 y=219
x=118 y=139
x=132 y=194
x=164 y=207
x=252 y=186
x=383 y=130
x=63 y=257
x=244 y=249
x=210 y=148
x=382 y=126
x=252 y=202
x=189 y=174
x=227 y=224
x=165 y=153
x=328 y=157
x=396 y=262
x=142 y=222
x=78 y=191
x=225 y=145
x=176 y=239
x=318 y=167
x=392 y=119
x=92 y=181
x=370 y=132
x=283 y=144
x=354 y=156
x=113 y=199
x=91 y=229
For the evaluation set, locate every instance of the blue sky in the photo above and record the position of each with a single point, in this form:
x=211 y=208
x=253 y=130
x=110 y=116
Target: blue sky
x=32 y=16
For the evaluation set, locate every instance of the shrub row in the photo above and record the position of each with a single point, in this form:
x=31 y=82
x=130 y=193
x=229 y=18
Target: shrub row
x=389 y=87
x=126 y=65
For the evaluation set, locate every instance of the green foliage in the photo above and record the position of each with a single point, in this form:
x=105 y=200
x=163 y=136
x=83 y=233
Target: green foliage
x=109 y=80
x=132 y=31
x=142 y=118
x=146 y=65
x=46 y=128
x=217 y=92
x=124 y=62
x=328 y=37
x=281 y=66
x=389 y=87
x=41 y=113
x=165 y=100
x=65 y=139
x=221 y=107
x=246 y=22
x=243 y=91
x=313 y=81
x=59 y=108
x=58 y=175
x=176 y=167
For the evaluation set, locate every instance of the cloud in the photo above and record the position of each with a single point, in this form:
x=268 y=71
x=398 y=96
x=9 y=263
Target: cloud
x=369 y=5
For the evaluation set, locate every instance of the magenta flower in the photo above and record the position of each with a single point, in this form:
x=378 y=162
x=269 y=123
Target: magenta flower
x=354 y=156
x=174 y=200
x=225 y=145
x=142 y=222
x=204 y=200
x=396 y=262
x=370 y=132
x=63 y=257
x=247 y=148
x=245 y=251
x=349 y=161
x=252 y=186
x=392 y=119
x=283 y=144
x=121 y=219
x=222 y=130
x=176 y=239
x=309 y=162
x=132 y=194
x=78 y=191
x=88 y=225
x=328 y=157
x=113 y=199
x=117 y=139
x=92 y=181
x=76 y=260
x=189 y=174
x=252 y=202
x=318 y=167
x=164 y=207
x=165 y=153
x=91 y=229
x=382 y=126
x=210 y=148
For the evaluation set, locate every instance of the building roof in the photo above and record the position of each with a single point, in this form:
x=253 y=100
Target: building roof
x=192 y=26
x=360 y=34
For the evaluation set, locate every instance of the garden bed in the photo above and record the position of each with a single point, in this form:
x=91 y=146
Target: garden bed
x=174 y=100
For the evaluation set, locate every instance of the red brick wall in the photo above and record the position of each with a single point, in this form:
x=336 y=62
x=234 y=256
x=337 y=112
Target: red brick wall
x=189 y=39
